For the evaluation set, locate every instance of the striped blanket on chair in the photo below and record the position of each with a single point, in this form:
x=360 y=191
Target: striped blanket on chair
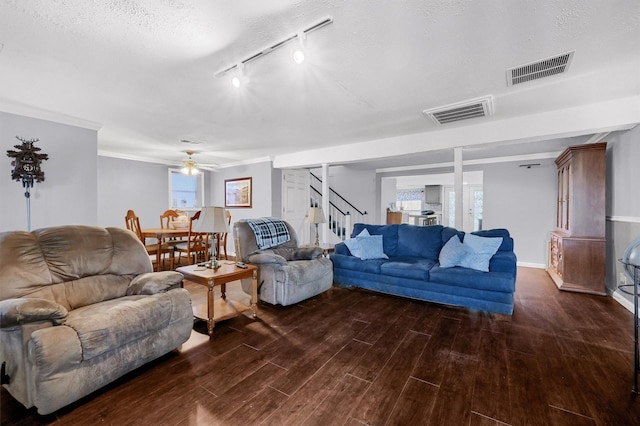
x=269 y=231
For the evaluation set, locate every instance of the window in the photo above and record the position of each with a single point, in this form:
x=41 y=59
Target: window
x=409 y=200
x=186 y=192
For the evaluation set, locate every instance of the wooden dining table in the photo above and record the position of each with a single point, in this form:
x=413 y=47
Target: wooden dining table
x=161 y=234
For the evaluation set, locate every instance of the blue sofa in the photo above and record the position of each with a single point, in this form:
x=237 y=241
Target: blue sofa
x=412 y=268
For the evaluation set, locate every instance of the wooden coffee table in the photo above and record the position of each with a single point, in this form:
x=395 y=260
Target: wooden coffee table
x=223 y=308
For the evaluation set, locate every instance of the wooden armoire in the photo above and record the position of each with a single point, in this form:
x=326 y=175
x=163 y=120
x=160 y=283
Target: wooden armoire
x=577 y=252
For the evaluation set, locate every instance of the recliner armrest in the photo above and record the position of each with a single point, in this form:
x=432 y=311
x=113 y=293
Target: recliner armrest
x=266 y=258
x=306 y=253
x=25 y=310
x=154 y=283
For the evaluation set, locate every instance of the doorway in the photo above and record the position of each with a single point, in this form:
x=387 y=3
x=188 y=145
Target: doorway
x=472 y=202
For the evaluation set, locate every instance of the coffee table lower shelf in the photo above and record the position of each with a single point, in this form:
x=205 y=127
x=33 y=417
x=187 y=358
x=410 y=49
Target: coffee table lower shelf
x=218 y=309
x=223 y=309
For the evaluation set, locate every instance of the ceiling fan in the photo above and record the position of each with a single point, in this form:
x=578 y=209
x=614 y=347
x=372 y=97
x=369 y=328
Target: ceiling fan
x=191 y=167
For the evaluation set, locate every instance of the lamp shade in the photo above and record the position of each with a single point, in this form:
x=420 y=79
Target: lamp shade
x=212 y=219
x=316 y=215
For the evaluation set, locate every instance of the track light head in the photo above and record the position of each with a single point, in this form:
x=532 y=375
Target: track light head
x=239 y=79
x=298 y=52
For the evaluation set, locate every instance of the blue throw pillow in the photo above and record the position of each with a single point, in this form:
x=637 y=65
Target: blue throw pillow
x=353 y=244
x=371 y=247
x=452 y=253
x=479 y=252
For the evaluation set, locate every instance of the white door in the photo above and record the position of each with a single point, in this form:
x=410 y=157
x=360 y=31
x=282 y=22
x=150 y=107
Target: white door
x=473 y=207
x=471 y=204
x=296 y=201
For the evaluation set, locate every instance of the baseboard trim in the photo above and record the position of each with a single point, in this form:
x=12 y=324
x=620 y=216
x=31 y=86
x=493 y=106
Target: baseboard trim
x=626 y=303
x=631 y=219
x=532 y=265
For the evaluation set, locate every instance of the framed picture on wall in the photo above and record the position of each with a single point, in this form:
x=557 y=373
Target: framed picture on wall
x=237 y=192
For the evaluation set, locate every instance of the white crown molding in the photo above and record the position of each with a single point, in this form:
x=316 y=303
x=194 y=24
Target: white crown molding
x=246 y=162
x=41 y=114
x=102 y=153
x=110 y=154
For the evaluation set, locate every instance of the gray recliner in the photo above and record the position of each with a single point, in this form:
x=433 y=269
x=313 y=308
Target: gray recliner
x=80 y=307
x=288 y=274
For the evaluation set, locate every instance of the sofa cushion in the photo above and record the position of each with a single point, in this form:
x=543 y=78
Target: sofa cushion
x=479 y=251
x=356 y=264
x=470 y=278
x=419 y=241
x=408 y=267
x=389 y=236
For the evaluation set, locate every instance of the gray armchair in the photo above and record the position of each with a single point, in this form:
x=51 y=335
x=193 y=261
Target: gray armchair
x=288 y=274
x=80 y=307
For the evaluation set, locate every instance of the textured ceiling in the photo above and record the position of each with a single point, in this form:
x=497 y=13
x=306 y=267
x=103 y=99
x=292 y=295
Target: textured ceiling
x=143 y=70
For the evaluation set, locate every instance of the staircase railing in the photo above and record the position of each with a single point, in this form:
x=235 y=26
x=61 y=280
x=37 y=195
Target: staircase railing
x=342 y=214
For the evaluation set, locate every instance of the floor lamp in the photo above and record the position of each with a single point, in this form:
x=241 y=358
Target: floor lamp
x=316 y=216
x=212 y=220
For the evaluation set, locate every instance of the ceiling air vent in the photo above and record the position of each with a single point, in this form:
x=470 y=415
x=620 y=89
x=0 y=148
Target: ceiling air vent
x=474 y=108
x=539 y=69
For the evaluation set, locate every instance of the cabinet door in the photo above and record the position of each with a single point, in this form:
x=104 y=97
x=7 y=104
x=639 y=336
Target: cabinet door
x=564 y=189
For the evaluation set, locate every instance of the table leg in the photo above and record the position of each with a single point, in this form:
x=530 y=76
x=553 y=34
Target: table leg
x=223 y=290
x=210 y=321
x=159 y=253
x=254 y=294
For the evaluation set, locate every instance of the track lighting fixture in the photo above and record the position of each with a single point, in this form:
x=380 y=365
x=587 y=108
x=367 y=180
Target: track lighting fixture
x=239 y=79
x=298 y=54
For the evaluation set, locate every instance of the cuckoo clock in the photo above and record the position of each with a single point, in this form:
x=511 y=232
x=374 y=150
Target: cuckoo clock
x=26 y=163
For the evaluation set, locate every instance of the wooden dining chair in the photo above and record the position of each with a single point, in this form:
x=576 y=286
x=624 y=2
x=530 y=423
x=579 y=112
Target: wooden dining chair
x=133 y=224
x=166 y=220
x=221 y=240
x=167 y=217
x=196 y=245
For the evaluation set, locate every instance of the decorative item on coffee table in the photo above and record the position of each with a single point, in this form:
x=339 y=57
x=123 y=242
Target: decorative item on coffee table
x=213 y=220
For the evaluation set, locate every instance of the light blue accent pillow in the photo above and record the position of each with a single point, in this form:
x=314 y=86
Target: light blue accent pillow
x=371 y=247
x=452 y=253
x=480 y=250
x=366 y=246
x=354 y=246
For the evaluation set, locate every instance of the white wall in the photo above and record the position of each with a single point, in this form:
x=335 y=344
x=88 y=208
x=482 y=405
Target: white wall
x=126 y=184
x=355 y=185
x=623 y=203
x=68 y=194
x=266 y=187
x=524 y=202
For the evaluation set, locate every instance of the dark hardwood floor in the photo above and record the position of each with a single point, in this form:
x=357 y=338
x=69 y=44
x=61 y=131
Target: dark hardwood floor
x=352 y=357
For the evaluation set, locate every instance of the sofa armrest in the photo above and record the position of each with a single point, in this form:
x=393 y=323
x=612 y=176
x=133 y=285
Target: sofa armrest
x=341 y=248
x=504 y=261
x=154 y=283
x=307 y=253
x=266 y=258
x=25 y=310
